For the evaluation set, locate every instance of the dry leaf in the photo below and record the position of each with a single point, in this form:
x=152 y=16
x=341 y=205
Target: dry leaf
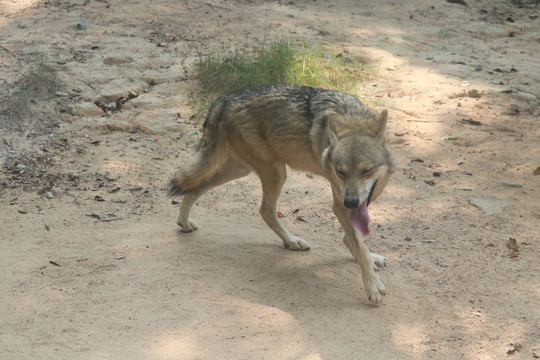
x=460 y=2
x=514 y=347
x=470 y=122
x=105 y=217
x=280 y=214
x=109 y=217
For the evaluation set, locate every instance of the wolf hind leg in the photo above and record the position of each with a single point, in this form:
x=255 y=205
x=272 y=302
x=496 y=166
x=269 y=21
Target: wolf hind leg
x=229 y=171
x=273 y=177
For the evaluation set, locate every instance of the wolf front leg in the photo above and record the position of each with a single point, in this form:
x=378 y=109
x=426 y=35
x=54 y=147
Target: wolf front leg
x=353 y=240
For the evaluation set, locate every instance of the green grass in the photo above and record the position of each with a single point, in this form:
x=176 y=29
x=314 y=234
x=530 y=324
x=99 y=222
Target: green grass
x=277 y=62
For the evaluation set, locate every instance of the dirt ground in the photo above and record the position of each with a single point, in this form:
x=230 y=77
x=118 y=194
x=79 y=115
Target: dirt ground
x=93 y=265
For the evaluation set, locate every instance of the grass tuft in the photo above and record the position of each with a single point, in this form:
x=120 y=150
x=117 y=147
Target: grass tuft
x=277 y=62
x=39 y=82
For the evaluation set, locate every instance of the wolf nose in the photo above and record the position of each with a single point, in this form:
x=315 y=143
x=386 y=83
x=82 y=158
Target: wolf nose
x=351 y=203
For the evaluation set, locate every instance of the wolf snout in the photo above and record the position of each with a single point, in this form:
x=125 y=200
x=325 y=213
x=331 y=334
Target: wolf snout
x=351 y=203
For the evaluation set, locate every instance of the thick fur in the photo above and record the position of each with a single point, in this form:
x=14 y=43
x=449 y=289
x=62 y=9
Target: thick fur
x=324 y=132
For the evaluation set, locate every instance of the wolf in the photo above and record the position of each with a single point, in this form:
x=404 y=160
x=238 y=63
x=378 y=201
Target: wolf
x=323 y=132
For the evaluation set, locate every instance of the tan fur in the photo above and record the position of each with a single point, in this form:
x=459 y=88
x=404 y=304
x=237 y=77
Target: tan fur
x=323 y=132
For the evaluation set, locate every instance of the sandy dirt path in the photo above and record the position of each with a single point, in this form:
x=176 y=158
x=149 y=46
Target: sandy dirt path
x=462 y=87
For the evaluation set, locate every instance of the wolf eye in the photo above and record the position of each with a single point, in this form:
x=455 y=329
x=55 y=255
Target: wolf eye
x=340 y=173
x=367 y=171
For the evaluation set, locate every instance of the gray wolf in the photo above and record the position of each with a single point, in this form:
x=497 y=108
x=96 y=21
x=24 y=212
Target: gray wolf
x=324 y=132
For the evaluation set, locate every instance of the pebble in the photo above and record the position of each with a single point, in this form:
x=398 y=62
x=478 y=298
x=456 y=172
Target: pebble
x=81 y=25
x=475 y=94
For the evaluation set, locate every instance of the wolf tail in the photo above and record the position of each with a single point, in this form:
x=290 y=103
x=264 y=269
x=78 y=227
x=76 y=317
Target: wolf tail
x=211 y=153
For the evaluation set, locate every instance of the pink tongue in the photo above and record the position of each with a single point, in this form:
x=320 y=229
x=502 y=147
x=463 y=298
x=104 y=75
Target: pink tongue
x=360 y=218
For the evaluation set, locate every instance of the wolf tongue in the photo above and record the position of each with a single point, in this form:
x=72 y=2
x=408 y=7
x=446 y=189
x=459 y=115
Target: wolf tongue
x=360 y=218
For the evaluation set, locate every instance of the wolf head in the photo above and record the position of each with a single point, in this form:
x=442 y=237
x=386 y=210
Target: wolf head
x=358 y=161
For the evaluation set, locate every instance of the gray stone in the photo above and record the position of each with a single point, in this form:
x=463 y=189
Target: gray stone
x=117 y=60
x=119 y=88
x=489 y=205
x=172 y=74
x=86 y=109
x=486 y=29
x=526 y=97
x=81 y=25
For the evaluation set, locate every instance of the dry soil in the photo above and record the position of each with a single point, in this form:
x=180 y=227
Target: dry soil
x=93 y=265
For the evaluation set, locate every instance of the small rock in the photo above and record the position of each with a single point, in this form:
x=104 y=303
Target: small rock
x=486 y=29
x=400 y=133
x=475 y=94
x=49 y=194
x=512 y=244
x=81 y=25
x=490 y=206
x=536 y=171
x=85 y=109
x=22 y=211
x=111 y=106
x=523 y=96
x=117 y=60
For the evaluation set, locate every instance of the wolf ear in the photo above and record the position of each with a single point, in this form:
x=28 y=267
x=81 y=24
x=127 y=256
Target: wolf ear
x=325 y=158
x=337 y=125
x=378 y=127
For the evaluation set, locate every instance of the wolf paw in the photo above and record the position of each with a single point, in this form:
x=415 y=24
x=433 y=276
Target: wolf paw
x=190 y=226
x=296 y=243
x=374 y=289
x=378 y=260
